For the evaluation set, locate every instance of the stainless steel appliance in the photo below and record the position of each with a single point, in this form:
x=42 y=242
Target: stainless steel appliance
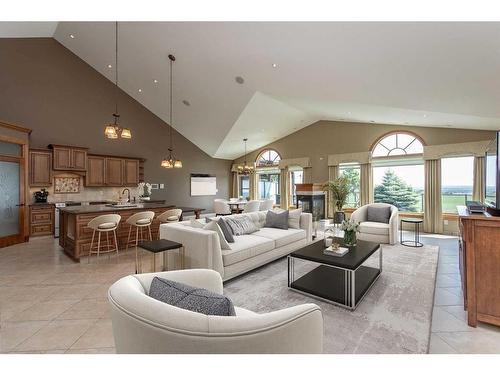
x=56 y=219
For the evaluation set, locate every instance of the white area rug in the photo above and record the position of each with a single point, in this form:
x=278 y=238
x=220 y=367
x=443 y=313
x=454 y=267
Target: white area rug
x=394 y=317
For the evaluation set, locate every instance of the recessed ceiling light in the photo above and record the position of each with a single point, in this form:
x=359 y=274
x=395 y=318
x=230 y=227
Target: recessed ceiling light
x=239 y=80
x=71 y=36
x=110 y=66
x=406 y=122
x=186 y=103
x=425 y=115
x=372 y=121
x=349 y=112
x=275 y=65
x=140 y=90
x=155 y=81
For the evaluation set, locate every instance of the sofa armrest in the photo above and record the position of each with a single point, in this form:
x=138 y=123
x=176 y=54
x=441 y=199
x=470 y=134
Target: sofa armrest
x=306 y=224
x=197 y=278
x=201 y=247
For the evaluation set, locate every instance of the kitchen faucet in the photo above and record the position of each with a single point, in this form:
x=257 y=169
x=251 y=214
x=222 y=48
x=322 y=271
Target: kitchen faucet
x=128 y=195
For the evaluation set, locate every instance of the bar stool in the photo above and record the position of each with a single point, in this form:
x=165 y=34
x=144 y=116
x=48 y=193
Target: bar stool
x=104 y=224
x=169 y=216
x=141 y=221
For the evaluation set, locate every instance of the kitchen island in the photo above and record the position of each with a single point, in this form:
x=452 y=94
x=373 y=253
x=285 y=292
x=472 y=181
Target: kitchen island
x=75 y=236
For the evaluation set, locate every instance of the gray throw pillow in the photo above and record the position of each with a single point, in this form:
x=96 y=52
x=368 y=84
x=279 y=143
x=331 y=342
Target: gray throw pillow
x=378 y=214
x=277 y=220
x=241 y=224
x=193 y=299
x=226 y=230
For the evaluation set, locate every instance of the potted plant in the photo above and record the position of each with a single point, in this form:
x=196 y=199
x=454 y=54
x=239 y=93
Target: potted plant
x=350 y=227
x=339 y=190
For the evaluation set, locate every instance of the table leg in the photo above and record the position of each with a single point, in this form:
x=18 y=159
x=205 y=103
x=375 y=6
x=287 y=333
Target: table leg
x=165 y=261
x=182 y=257
x=154 y=262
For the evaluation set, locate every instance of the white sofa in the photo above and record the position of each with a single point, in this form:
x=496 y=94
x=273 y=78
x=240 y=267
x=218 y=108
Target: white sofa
x=374 y=231
x=203 y=250
x=142 y=324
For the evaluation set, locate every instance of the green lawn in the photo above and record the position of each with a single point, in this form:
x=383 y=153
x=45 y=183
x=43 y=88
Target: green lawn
x=450 y=202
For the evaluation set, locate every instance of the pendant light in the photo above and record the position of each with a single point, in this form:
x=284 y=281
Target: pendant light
x=114 y=131
x=245 y=169
x=170 y=161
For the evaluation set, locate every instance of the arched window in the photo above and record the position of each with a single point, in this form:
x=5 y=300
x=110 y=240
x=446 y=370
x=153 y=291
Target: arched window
x=268 y=158
x=398 y=144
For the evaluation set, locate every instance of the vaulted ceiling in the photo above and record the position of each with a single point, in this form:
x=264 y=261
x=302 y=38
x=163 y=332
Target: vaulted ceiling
x=294 y=73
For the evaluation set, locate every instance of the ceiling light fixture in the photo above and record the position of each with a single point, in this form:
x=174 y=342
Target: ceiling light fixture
x=275 y=65
x=71 y=36
x=140 y=90
x=155 y=81
x=245 y=169
x=170 y=161
x=186 y=103
x=110 y=66
x=239 y=80
x=114 y=131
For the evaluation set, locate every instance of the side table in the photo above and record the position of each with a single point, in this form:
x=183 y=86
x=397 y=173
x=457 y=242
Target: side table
x=163 y=246
x=416 y=239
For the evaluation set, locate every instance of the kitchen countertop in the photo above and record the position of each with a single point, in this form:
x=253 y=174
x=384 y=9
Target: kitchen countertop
x=104 y=208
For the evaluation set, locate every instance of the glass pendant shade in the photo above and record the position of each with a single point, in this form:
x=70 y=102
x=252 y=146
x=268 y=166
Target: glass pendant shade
x=110 y=132
x=178 y=164
x=126 y=133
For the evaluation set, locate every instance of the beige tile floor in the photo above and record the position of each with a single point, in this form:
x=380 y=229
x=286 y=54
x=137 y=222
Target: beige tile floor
x=50 y=304
x=449 y=330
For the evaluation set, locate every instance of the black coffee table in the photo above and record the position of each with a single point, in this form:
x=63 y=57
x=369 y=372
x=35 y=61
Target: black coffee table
x=343 y=281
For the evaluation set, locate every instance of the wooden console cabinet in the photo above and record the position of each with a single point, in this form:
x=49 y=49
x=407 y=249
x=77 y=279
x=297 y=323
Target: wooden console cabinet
x=480 y=266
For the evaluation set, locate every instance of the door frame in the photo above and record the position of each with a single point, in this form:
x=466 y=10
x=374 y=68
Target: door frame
x=23 y=235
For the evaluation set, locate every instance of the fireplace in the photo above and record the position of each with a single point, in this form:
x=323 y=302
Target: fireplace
x=311 y=198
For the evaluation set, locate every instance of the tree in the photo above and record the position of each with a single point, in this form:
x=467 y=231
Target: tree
x=395 y=191
x=352 y=176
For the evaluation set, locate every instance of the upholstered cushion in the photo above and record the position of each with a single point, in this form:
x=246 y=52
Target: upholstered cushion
x=245 y=247
x=294 y=218
x=173 y=218
x=194 y=299
x=379 y=214
x=228 y=234
x=106 y=226
x=277 y=219
x=215 y=227
x=143 y=221
x=371 y=227
x=241 y=224
x=281 y=237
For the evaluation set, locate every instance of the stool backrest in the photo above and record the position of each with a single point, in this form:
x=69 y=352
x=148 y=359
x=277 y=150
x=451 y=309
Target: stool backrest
x=104 y=219
x=163 y=217
x=141 y=218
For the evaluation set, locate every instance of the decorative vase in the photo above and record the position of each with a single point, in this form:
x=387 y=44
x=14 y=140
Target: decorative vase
x=350 y=237
x=338 y=217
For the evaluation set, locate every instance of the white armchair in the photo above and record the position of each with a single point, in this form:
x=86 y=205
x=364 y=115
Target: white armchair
x=142 y=324
x=375 y=231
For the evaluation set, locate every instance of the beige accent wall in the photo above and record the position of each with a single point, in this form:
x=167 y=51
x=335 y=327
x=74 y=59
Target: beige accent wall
x=47 y=88
x=323 y=138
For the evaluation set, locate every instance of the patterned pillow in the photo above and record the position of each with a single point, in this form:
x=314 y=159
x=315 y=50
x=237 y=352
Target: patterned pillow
x=193 y=299
x=241 y=225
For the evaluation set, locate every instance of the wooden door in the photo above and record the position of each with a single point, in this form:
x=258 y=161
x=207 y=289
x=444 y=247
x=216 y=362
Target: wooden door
x=40 y=170
x=62 y=158
x=95 y=171
x=79 y=159
x=13 y=175
x=130 y=172
x=114 y=172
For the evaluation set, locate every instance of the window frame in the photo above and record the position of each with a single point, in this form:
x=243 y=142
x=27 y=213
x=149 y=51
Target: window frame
x=273 y=163
x=471 y=159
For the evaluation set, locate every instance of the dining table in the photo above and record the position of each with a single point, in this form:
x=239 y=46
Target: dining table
x=237 y=206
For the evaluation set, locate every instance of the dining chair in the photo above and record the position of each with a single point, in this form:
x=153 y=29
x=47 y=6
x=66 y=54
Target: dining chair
x=221 y=207
x=252 y=206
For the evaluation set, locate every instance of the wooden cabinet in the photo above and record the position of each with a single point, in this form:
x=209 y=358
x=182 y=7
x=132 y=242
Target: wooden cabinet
x=41 y=219
x=480 y=265
x=130 y=172
x=40 y=168
x=69 y=158
x=114 y=172
x=95 y=171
